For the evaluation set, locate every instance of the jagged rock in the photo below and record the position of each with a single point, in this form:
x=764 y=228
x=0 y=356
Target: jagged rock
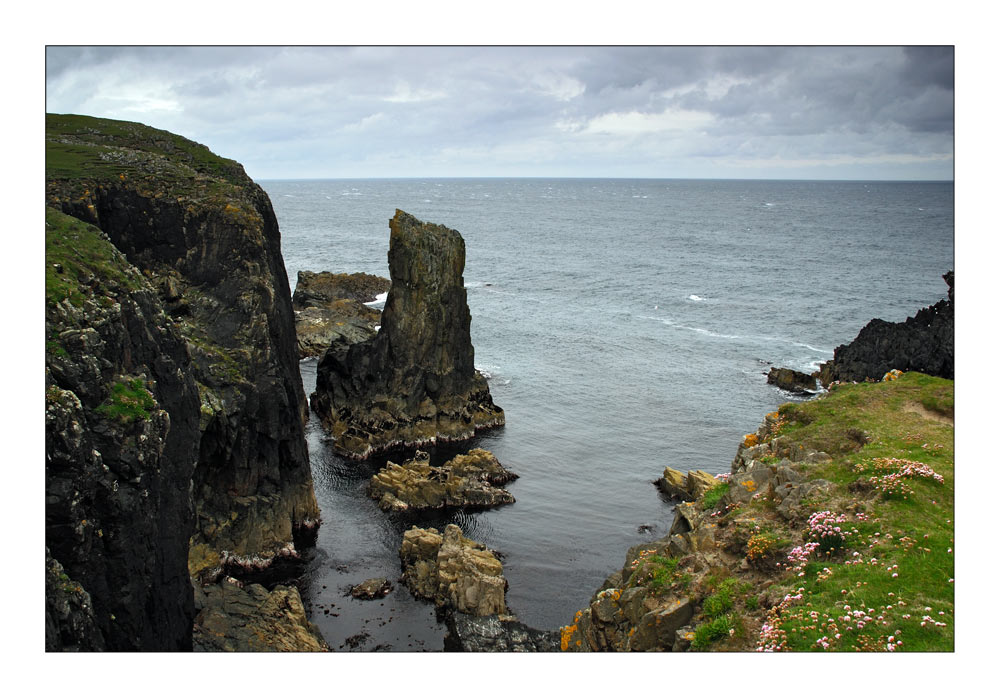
x=470 y=480
x=657 y=629
x=70 y=624
x=496 y=634
x=375 y=588
x=791 y=380
x=204 y=234
x=415 y=382
x=924 y=342
x=453 y=570
x=323 y=289
x=121 y=442
x=234 y=618
x=686 y=486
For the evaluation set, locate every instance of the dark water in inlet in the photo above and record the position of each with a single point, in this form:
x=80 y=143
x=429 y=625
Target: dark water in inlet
x=626 y=325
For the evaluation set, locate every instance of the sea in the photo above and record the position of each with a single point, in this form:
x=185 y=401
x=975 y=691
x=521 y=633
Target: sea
x=624 y=326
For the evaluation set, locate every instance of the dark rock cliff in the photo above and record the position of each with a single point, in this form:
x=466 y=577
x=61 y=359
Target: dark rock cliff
x=121 y=438
x=924 y=342
x=198 y=319
x=415 y=382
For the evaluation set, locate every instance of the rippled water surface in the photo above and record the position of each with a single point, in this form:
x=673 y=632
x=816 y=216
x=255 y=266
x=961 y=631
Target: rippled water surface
x=626 y=325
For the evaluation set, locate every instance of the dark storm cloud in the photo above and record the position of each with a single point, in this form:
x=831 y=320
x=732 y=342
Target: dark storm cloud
x=649 y=111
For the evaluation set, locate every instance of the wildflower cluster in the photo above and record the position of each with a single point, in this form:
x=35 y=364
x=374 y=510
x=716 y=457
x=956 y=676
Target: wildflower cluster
x=799 y=556
x=824 y=528
x=892 y=375
x=772 y=637
x=894 y=472
x=761 y=545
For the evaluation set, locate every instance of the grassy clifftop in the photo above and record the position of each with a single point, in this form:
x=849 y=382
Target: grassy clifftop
x=834 y=531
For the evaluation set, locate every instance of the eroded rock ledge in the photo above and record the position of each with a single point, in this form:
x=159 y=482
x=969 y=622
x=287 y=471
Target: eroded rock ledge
x=471 y=480
x=415 y=382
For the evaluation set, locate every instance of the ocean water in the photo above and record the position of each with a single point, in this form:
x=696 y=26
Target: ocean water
x=625 y=325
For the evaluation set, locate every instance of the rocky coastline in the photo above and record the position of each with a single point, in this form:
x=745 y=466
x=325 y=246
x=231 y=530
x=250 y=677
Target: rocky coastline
x=330 y=310
x=174 y=406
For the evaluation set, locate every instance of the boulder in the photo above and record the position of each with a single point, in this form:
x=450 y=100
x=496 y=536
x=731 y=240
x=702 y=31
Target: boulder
x=453 y=571
x=687 y=486
x=467 y=481
x=415 y=382
x=791 y=380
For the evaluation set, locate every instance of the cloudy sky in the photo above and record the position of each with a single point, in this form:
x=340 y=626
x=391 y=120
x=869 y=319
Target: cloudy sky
x=302 y=112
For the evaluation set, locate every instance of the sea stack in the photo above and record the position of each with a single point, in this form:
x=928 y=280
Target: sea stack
x=415 y=382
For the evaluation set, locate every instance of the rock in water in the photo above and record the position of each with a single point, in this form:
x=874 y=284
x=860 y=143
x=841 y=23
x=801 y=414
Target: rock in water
x=924 y=342
x=415 y=382
x=453 y=571
x=471 y=480
x=791 y=380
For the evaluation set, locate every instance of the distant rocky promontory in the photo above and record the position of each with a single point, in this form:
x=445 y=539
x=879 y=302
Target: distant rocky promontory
x=331 y=309
x=415 y=382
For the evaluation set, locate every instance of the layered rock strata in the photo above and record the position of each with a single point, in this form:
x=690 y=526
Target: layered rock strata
x=924 y=343
x=453 y=571
x=415 y=382
x=471 y=480
x=330 y=309
x=686 y=486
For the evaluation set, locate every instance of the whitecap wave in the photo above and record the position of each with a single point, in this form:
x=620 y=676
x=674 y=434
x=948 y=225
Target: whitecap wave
x=694 y=297
x=379 y=300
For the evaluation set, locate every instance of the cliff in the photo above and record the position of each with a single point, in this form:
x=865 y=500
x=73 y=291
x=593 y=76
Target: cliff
x=833 y=531
x=174 y=406
x=924 y=342
x=415 y=382
x=330 y=309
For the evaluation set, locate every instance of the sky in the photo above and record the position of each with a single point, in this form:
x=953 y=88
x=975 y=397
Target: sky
x=780 y=112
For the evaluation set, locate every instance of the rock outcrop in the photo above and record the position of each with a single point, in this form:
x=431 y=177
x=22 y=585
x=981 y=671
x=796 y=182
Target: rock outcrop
x=237 y=618
x=453 y=571
x=791 y=380
x=924 y=343
x=330 y=310
x=323 y=289
x=686 y=486
x=470 y=481
x=415 y=382
x=171 y=370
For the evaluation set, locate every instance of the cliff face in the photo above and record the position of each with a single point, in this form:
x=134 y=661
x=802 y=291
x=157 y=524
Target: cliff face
x=197 y=314
x=121 y=437
x=415 y=382
x=924 y=342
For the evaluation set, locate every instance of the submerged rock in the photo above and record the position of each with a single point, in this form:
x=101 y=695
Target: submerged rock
x=375 y=588
x=496 y=634
x=470 y=481
x=453 y=571
x=415 y=382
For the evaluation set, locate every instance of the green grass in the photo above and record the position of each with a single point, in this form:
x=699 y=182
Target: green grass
x=711 y=498
x=909 y=535
x=128 y=402
x=75 y=251
x=85 y=146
